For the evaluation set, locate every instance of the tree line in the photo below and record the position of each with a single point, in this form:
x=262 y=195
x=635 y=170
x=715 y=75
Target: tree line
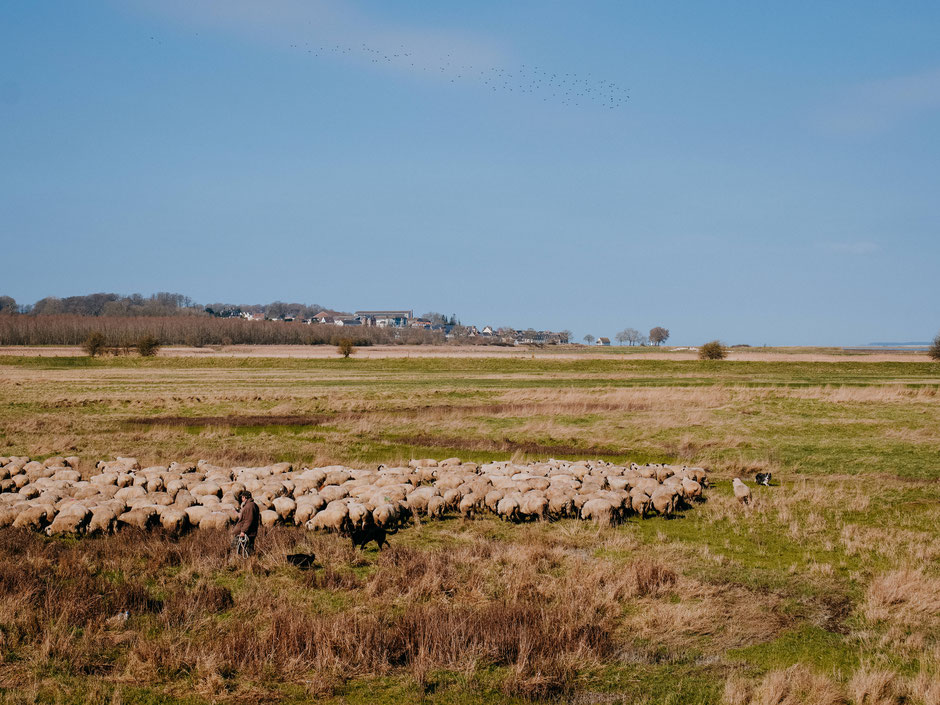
x=124 y=332
x=163 y=303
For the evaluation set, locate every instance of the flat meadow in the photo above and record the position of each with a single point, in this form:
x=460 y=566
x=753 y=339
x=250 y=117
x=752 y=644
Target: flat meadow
x=826 y=589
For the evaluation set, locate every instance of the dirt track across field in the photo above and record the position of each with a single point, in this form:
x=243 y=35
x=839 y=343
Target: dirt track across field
x=486 y=351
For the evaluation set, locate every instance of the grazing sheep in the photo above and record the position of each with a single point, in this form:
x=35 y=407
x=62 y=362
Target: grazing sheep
x=436 y=506
x=71 y=521
x=334 y=518
x=640 y=502
x=741 y=491
x=534 y=505
x=139 y=518
x=386 y=516
x=52 y=493
x=508 y=508
x=491 y=500
x=284 y=507
x=469 y=505
x=174 y=520
x=103 y=520
x=600 y=511
x=664 y=500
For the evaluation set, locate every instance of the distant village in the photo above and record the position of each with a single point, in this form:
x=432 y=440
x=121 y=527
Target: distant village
x=450 y=328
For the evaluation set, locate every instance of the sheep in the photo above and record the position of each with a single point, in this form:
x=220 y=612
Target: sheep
x=741 y=491
x=331 y=493
x=534 y=505
x=35 y=517
x=560 y=505
x=269 y=517
x=436 y=506
x=491 y=500
x=216 y=520
x=692 y=489
x=469 y=505
x=418 y=500
x=285 y=508
x=173 y=519
x=139 y=518
x=195 y=513
x=640 y=501
x=358 y=514
x=103 y=519
x=203 y=495
x=508 y=508
x=601 y=511
x=664 y=500
x=7 y=516
x=334 y=519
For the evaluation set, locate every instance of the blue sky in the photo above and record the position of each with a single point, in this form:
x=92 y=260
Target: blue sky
x=767 y=173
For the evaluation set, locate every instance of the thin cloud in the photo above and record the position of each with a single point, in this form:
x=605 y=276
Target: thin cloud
x=860 y=247
x=879 y=106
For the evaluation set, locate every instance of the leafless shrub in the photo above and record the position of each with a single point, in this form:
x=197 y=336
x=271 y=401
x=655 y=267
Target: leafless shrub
x=94 y=344
x=148 y=346
x=712 y=350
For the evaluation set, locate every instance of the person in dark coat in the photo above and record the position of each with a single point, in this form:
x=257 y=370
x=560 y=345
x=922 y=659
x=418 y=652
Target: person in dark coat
x=249 y=519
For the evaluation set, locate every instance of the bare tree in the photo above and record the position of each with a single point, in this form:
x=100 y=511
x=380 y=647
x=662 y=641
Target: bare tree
x=565 y=336
x=589 y=339
x=659 y=335
x=934 y=350
x=633 y=336
x=7 y=304
x=622 y=337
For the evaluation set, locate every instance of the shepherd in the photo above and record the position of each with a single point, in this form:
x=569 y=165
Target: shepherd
x=245 y=530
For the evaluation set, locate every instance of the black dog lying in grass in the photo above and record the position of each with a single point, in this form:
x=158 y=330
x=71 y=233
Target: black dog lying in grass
x=763 y=478
x=301 y=560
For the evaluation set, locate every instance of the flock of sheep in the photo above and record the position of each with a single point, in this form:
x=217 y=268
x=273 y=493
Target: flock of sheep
x=55 y=497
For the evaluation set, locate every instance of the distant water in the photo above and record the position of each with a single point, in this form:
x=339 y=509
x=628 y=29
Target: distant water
x=889 y=347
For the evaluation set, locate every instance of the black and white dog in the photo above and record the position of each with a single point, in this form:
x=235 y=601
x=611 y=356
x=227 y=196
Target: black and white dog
x=763 y=478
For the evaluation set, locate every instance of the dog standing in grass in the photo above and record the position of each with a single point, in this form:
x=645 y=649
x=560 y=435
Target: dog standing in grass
x=249 y=518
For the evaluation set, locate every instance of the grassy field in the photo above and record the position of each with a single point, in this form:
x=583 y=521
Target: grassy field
x=826 y=590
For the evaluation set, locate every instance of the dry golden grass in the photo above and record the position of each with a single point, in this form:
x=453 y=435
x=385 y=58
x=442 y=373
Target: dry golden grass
x=824 y=589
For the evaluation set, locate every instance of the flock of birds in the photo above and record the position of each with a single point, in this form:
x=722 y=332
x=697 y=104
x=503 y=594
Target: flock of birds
x=565 y=88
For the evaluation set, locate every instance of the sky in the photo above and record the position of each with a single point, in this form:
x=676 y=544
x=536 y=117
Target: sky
x=760 y=173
